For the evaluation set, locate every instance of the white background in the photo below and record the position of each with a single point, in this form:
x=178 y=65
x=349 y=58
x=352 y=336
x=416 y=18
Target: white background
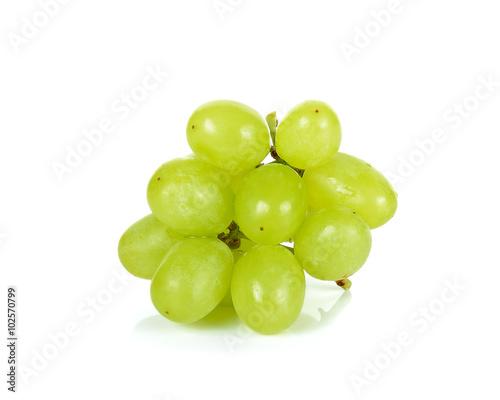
x=59 y=238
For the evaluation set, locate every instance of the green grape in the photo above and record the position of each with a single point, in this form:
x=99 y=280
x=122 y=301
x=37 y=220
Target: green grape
x=333 y=243
x=271 y=204
x=143 y=246
x=350 y=182
x=228 y=135
x=309 y=135
x=268 y=289
x=192 y=279
x=191 y=197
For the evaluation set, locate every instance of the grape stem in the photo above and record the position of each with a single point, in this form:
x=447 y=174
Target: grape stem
x=232 y=236
x=344 y=283
x=272 y=122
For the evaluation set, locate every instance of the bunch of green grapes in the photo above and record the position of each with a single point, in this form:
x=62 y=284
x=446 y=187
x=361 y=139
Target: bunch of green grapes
x=227 y=229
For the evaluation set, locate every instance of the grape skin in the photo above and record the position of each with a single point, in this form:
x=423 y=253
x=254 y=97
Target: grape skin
x=143 y=246
x=229 y=135
x=268 y=289
x=333 y=243
x=309 y=135
x=271 y=204
x=348 y=181
x=192 y=279
x=191 y=197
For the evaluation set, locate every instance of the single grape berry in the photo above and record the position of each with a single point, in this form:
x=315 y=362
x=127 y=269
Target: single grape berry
x=268 y=289
x=309 y=135
x=271 y=204
x=192 y=279
x=229 y=135
x=144 y=245
x=351 y=182
x=191 y=197
x=333 y=243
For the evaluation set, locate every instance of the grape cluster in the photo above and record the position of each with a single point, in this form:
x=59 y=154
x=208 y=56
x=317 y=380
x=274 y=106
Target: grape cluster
x=220 y=216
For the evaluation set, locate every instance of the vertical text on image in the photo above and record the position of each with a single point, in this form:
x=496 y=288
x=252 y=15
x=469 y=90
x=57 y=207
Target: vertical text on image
x=12 y=338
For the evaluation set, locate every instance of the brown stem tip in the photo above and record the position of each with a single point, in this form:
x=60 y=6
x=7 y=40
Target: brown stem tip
x=344 y=283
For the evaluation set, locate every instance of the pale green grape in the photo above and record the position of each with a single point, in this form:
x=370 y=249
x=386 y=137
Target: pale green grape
x=228 y=135
x=143 y=246
x=309 y=135
x=192 y=279
x=268 y=289
x=350 y=182
x=333 y=243
x=271 y=204
x=191 y=197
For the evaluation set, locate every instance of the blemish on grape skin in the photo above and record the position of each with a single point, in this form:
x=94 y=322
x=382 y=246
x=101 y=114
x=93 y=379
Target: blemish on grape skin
x=192 y=127
x=166 y=312
x=158 y=178
x=261 y=228
x=317 y=111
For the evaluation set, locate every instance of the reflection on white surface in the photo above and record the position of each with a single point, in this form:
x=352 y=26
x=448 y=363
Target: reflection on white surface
x=221 y=328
